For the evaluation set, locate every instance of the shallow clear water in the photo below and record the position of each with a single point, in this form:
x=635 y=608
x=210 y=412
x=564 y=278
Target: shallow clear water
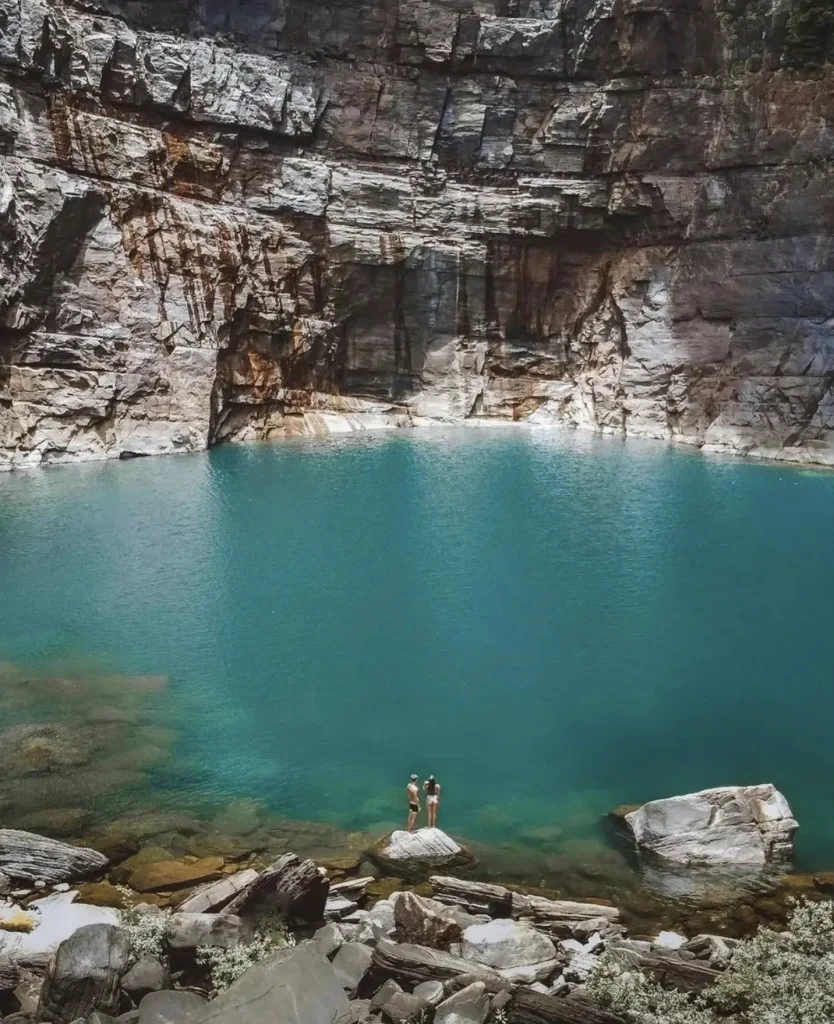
x=552 y=625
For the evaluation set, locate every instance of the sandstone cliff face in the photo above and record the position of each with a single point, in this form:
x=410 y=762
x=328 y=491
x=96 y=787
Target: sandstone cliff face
x=233 y=219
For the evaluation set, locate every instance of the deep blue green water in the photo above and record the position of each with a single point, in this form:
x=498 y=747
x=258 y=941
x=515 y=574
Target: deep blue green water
x=552 y=625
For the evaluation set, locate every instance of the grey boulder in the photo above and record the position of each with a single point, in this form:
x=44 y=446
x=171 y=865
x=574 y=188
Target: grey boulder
x=388 y=989
x=351 y=964
x=403 y=1007
x=733 y=825
x=296 y=986
x=146 y=975
x=469 y=1006
x=214 y=895
x=505 y=943
x=85 y=973
x=431 y=991
x=329 y=939
x=170 y=1007
x=377 y=923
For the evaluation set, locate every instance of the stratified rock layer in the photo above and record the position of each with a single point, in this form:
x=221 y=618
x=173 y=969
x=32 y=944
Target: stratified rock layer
x=235 y=220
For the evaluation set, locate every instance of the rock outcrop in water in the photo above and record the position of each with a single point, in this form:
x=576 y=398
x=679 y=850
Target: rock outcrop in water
x=749 y=826
x=234 y=220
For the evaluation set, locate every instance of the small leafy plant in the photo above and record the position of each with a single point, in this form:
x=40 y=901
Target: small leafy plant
x=146 y=927
x=227 y=965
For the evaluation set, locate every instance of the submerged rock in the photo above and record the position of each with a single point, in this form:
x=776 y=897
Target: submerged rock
x=173 y=874
x=733 y=825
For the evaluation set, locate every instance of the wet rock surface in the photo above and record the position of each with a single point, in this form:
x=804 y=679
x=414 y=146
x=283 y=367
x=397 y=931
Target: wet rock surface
x=372 y=214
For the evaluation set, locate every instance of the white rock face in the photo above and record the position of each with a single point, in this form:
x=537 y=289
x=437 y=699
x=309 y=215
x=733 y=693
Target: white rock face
x=733 y=825
x=429 y=844
x=56 y=921
x=506 y=944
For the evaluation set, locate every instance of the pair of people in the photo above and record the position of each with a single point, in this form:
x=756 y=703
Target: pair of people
x=432 y=788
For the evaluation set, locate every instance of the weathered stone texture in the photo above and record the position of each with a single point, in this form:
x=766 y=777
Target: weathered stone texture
x=232 y=220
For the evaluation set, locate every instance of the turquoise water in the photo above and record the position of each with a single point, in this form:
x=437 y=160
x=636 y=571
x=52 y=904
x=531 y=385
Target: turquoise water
x=552 y=625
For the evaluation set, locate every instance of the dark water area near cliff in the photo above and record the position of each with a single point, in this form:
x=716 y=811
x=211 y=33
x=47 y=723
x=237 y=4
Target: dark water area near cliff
x=551 y=624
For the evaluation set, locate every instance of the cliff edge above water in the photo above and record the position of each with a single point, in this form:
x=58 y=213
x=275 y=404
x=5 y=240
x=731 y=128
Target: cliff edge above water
x=232 y=221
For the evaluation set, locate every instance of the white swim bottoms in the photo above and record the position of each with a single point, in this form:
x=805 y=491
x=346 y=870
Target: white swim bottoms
x=432 y=799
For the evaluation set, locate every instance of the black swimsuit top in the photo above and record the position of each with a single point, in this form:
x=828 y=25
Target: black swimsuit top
x=431 y=788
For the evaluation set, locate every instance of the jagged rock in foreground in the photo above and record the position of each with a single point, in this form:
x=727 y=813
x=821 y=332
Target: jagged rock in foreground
x=733 y=825
x=293 y=887
x=294 y=987
x=26 y=857
x=224 y=221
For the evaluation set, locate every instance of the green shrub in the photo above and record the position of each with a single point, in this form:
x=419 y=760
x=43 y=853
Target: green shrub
x=774 y=978
x=146 y=927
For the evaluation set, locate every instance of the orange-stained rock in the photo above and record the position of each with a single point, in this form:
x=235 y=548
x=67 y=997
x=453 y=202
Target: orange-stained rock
x=174 y=874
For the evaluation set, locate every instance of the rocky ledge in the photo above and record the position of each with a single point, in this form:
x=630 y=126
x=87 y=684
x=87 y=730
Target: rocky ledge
x=284 y=944
x=202 y=940
x=227 y=221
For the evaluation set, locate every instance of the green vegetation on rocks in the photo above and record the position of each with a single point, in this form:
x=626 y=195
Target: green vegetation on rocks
x=773 y=978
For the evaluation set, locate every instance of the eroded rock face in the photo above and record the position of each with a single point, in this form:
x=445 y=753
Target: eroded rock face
x=236 y=220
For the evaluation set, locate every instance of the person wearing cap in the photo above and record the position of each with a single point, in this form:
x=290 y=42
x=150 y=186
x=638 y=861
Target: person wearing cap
x=432 y=788
x=413 y=803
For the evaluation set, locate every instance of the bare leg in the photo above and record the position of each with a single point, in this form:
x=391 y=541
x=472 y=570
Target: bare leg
x=432 y=815
x=412 y=820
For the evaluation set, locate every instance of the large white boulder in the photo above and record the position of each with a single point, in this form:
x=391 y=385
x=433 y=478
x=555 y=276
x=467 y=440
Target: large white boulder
x=505 y=943
x=404 y=853
x=733 y=825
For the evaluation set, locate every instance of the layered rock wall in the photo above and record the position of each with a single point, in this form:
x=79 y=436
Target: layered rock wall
x=232 y=219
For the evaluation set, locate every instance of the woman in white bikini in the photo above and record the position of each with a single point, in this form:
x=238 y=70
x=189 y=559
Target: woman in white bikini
x=432 y=788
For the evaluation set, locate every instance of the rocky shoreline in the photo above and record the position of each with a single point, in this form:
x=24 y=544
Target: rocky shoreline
x=393 y=933
x=461 y=949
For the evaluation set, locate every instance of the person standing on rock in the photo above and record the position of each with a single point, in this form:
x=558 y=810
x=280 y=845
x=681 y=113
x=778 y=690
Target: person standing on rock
x=413 y=803
x=432 y=788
